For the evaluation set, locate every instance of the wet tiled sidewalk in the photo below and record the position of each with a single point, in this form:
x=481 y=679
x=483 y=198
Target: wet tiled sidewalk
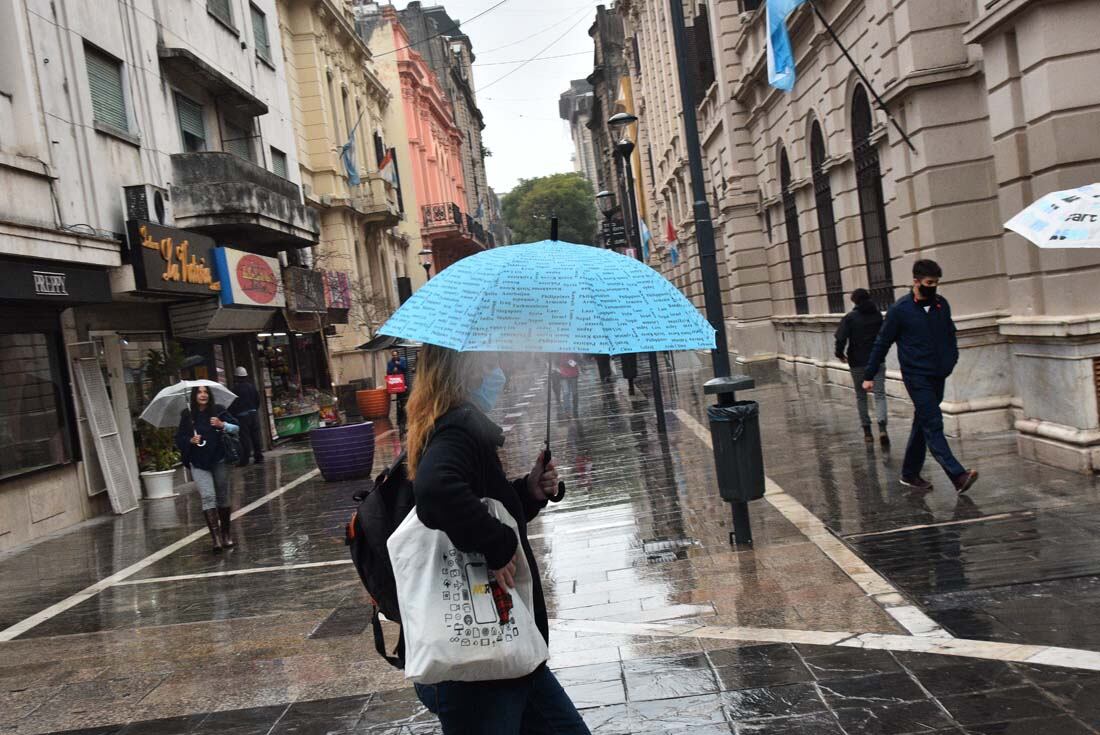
x=658 y=624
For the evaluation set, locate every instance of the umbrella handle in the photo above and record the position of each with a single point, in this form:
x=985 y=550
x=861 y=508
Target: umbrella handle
x=546 y=458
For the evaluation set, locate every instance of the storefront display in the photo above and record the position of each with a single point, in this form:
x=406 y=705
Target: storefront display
x=296 y=387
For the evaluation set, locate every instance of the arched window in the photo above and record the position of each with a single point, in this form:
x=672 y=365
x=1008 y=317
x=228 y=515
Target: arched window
x=794 y=237
x=872 y=209
x=826 y=223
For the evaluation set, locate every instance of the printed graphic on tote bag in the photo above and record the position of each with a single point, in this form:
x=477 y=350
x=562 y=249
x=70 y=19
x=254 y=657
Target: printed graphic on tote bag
x=479 y=606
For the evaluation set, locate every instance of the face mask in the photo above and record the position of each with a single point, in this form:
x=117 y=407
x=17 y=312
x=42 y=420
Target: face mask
x=927 y=292
x=486 y=395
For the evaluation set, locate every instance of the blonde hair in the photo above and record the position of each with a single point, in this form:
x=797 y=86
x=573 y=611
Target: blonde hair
x=441 y=376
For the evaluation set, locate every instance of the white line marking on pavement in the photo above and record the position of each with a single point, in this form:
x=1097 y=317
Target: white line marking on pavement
x=234 y=572
x=92 y=590
x=1073 y=658
x=943 y=524
x=877 y=587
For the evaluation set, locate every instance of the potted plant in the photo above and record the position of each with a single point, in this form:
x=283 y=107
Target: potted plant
x=158 y=458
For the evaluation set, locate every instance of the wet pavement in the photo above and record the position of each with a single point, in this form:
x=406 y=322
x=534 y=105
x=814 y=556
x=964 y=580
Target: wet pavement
x=659 y=626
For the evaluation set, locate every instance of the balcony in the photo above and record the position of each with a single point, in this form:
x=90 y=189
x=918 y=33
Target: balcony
x=377 y=200
x=238 y=203
x=443 y=218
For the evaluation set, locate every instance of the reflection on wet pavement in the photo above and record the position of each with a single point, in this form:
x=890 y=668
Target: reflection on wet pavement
x=273 y=638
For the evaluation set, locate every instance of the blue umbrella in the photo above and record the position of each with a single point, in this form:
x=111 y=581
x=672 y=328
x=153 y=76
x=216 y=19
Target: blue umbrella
x=551 y=296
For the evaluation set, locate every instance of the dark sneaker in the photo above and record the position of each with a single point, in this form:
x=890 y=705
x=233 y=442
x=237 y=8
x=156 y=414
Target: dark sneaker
x=867 y=435
x=884 y=439
x=917 y=483
x=965 y=481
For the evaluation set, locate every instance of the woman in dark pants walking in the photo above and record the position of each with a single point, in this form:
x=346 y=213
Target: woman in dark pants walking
x=452 y=457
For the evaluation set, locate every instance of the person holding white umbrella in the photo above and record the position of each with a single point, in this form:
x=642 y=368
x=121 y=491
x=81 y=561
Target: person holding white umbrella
x=199 y=438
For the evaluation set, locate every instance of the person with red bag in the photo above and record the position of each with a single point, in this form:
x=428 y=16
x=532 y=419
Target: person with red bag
x=397 y=382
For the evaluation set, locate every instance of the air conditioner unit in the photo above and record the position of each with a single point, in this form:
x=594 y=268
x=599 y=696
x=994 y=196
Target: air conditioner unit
x=147 y=202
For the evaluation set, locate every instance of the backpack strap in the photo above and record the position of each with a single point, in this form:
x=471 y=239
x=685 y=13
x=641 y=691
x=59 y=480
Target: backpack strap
x=382 y=477
x=398 y=659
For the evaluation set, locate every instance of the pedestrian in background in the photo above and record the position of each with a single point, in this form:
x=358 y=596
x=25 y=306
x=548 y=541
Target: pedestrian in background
x=856 y=333
x=570 y=368
x=453 y=462
x=921 y=325
x=247 y=411
x=603 y=365
x=399 y=366
x=629 y=365
x=199 y=439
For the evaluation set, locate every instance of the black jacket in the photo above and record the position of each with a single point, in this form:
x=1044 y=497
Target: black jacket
x=208 y=455
x=858 y=330
x=459 y=466
x=248 y=398
x=926 y=340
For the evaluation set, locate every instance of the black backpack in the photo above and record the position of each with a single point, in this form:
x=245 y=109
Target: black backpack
x=381 y=510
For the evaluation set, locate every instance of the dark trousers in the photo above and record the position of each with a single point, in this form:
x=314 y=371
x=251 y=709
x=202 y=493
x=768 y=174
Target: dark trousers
x=926 y=393
x=534 y=705
x=252 y=441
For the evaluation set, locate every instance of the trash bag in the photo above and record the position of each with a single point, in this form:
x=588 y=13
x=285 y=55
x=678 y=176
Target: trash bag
x=738 y=454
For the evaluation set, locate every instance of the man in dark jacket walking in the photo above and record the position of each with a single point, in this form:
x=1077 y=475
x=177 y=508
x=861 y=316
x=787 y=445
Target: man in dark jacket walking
x=247 y=409
x=857 y=332
x=920 y=322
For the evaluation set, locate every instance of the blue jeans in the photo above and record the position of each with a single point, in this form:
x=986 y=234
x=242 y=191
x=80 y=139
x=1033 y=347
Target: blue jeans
x=534 y=705
x=927 y=433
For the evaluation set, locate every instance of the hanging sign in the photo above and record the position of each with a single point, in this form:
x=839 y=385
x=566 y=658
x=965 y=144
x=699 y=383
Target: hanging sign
x=249 y=279
x=167 y=260
x=305 y=290
x=337 y=290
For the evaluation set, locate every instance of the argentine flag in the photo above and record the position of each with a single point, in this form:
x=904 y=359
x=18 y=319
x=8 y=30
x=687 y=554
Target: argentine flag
x=780 y=56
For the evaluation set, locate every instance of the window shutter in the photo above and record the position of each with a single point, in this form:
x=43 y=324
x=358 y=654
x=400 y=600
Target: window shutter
x=278 y=162
x=238 y=141
x=259 y=33
x=221 y=9
x=105 y=83
x=189 y=115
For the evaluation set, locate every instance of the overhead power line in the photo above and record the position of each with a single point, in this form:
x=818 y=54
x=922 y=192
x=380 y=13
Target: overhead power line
x=584 y=12
x=446 y=31
x=533 y=58
x=542 y=58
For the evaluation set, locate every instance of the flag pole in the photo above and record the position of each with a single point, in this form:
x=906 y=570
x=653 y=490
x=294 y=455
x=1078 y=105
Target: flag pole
x=866 y=81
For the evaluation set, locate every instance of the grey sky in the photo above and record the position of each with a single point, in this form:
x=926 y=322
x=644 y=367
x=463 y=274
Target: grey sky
x=522 y=128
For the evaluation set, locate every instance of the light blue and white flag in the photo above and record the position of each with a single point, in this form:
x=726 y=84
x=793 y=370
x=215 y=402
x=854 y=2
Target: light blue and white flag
x=781 y=71
x=646 y=237
x=347 y=155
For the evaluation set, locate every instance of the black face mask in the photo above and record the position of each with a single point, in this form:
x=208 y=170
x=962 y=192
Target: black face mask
x=927 y=292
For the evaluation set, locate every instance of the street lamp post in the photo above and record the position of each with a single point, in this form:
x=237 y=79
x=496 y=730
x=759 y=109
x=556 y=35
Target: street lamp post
x=723 y=385
x=618 y=124
x=426 y=259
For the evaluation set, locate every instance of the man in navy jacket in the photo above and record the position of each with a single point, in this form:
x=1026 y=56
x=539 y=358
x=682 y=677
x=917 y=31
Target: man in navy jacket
x=920 y=323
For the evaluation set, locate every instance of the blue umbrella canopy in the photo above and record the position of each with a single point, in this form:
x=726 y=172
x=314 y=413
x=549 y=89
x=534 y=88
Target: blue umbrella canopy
x=551 y=296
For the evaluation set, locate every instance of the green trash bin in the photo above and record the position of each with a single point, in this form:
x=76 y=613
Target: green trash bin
x=738 y=454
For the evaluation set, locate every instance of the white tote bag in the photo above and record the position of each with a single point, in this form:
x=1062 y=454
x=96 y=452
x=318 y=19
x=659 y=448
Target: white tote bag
x=450 y=620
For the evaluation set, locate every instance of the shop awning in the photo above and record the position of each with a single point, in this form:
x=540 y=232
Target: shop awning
x=385 y=342
x=209 y=319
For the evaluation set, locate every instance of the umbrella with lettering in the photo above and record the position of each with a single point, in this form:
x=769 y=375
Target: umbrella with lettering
x=1062 y=219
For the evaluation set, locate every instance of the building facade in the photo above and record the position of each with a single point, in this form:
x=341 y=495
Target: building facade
x=143 y=149
x=814 y=193
x=575 y=107
x=339 y=104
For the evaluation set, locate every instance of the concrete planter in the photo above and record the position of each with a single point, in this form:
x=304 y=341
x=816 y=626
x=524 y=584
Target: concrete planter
x=373 y=403
x=159 y=484
x=344 y=452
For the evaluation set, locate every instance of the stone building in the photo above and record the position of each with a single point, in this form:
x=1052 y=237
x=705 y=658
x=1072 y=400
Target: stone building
x=337 y=95
x=813 y=193
x=139 y=143
x=449 y=53
x=575 y=107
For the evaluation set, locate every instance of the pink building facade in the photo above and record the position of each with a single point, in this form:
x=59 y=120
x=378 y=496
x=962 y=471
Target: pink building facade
x=435 y=144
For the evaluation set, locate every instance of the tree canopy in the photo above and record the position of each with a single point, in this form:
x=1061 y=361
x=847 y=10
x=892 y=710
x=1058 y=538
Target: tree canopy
x=529 y=206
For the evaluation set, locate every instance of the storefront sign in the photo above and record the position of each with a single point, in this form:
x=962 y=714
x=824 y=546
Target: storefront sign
x=249 y=279
x=47 y=280
x=337 y=290
x=305 y=290
x=167 y=260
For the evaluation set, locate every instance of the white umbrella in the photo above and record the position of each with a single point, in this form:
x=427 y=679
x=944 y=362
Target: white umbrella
x=1062 y=219
x=165 y=408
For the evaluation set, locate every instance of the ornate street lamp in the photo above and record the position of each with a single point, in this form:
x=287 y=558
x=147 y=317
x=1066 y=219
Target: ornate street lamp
x=619 y=122
x=605 y=202
x=426 y=259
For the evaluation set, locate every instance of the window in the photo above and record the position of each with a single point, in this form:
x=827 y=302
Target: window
x=222 y=10
x=259 y=33
x=379 y=148
x=33 y=414
x=335 y=115
x=278 y=162
x=826 y=221
x=238 y=141
x=192 y=129
x=105 y=84
x=794 y=237
x=872 y=209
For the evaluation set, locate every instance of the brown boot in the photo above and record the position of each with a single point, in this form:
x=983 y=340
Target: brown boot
x=227 y=539
x=211 y=517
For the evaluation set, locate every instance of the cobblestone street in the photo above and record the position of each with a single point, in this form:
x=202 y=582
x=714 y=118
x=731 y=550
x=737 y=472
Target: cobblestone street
x=862 y=608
